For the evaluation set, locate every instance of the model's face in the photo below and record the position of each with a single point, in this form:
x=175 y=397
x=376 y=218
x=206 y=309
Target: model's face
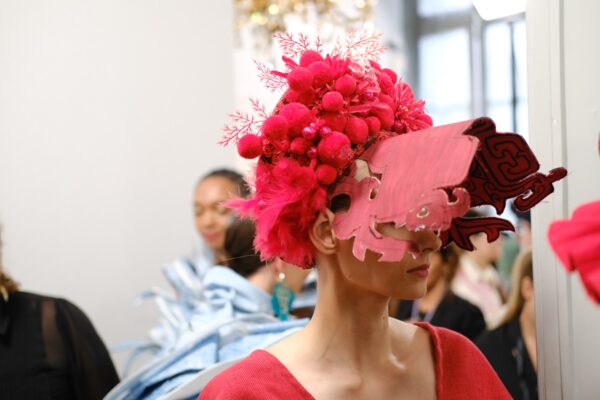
x=212 y=218
x=404 y=279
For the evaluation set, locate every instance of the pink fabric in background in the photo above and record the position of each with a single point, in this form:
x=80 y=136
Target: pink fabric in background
x=576 y=242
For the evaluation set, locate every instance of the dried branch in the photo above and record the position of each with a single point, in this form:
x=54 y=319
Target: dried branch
x=271 y=81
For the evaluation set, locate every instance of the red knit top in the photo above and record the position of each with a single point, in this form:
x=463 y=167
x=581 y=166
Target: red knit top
x=461 y=372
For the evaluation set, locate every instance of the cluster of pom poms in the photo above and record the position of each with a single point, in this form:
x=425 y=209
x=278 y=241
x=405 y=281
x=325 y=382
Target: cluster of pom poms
x=332 y=110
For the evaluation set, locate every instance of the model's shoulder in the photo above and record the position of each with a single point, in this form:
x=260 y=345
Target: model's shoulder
x=462 y=370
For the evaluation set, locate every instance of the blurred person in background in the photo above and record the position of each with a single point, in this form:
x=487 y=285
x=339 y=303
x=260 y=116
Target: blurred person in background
x=511 y=348
x=250 y=281
x=49 y=349
x=440 y=306
x=513 y=244
x=477 y=280
x=211 y=217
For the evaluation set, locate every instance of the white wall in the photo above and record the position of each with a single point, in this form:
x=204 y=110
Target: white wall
x=109 y=112
x=564 y=112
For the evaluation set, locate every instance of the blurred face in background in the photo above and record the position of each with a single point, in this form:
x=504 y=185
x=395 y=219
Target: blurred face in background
x=524 y=234
x=211 y=217
x=485 y=252
x=436 y=270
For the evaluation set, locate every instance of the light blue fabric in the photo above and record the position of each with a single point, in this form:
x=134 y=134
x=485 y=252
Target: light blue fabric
x=183 y=365
x=240 y=313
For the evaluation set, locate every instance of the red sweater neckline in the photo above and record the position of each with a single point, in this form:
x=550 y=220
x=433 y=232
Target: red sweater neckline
x=437 y=355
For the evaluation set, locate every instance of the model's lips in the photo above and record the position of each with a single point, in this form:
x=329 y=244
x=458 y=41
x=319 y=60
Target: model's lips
x=421 y=271
x=211 y=237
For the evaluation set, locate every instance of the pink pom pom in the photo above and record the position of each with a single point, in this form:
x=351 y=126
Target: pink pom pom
x=321 y=72
x=385 y=116
x=357 y=130
x=335 y=121
x=374 y=125
x=250 y=146
x=346 y=85
x=393 y=76
x=275 y=127
x=297 y=115
x=291 y=96
x=308 y=57
x=307 y=97
x=326 y=174
x=335 y=150
x=300 y=79
x=333 y=101
x=299 y=146
x=312 y=152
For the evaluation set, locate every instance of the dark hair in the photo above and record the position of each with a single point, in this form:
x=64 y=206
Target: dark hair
x=523 y=215
x=243 y=258
x=475 y=213
x=450 y=257
x=235 y=177
x=522 y=268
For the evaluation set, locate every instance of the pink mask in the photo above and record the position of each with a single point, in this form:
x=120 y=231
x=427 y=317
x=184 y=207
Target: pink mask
x=430 y=178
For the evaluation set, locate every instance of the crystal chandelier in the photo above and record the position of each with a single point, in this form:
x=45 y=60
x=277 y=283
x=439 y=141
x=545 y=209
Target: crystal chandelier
x=259 y=19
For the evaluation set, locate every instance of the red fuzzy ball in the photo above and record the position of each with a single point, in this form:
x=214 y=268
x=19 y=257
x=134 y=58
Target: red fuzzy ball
x=374 y=125
x=297 y=115
x=333 y=101
x=385 y=116
x=335 y=121
x=322 y=73
x=308 y=57
x=335 y=150
x=357 y=130
x=307 y=97
x=326 y=174
x=299 y=146
x=250 y=146
x=275 y=127
x=393 y=76
x=300 y=79
x=346 y=85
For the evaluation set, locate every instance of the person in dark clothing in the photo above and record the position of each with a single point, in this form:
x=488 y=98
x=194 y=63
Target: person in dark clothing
x=49 y=349
x=440 y=306
x=511 y=348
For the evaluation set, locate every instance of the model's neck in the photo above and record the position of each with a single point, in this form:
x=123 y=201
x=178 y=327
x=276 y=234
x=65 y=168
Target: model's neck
x=349 y=325
x=263 y=278
x=434 y=296
x=220 y=257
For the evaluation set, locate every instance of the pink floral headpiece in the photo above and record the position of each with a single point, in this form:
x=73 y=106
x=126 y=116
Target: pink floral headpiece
x=333 y=108
x=337 y=106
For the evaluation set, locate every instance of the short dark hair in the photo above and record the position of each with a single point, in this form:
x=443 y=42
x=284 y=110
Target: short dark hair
x=239 y=238
x=235 y=177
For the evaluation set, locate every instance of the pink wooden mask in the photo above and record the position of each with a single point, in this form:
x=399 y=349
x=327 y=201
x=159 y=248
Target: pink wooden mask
x=428 y=179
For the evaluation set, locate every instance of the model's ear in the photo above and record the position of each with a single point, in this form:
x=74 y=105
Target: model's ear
x=321 y=233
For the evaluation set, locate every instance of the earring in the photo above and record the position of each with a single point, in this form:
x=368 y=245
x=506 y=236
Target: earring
x=282 y=299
